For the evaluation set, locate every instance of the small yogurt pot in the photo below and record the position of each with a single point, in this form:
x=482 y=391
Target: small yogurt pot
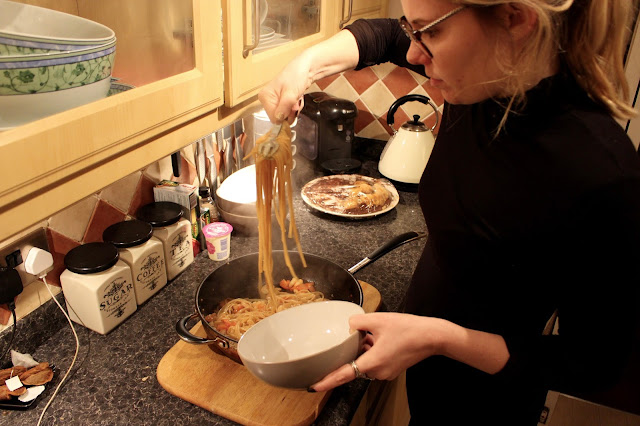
x=218 y=236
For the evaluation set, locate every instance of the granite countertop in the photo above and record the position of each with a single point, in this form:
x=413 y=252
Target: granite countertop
x=114 y=379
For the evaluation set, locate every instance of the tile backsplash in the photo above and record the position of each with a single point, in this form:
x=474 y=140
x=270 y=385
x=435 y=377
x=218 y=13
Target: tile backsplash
x=373 y=90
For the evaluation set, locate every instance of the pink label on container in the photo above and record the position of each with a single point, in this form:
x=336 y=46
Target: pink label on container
x=217 y=229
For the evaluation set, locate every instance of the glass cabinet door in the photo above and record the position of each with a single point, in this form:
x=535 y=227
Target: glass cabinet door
x=283 y=28
x=170 y=50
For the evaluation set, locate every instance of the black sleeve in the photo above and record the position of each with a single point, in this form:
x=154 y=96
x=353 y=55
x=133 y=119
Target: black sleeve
x=382 y=40
x=598 y=307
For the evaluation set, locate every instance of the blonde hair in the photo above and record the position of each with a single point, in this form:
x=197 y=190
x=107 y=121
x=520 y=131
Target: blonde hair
x=588 y=36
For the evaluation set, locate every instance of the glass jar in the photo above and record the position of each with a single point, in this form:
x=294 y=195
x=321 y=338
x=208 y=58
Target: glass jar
x=173 y=231
x=144 y=254
x=97 y=287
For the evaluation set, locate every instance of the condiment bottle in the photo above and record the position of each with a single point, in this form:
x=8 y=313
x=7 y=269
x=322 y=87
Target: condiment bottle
x=144 y=254
x=98 y=287
x=208 y=210
x=173 y=231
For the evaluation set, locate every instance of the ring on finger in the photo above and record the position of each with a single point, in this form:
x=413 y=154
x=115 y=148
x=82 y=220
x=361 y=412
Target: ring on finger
x=356 y=370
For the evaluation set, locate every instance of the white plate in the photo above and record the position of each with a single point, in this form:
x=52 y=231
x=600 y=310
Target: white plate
x=325 y=193
x=266 y=31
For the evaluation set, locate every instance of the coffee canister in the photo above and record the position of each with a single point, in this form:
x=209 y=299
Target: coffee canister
x=173 y=231
x=144 y=254
x=98 y=287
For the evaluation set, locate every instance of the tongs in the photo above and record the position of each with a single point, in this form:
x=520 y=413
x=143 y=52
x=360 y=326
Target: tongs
x=270 y=146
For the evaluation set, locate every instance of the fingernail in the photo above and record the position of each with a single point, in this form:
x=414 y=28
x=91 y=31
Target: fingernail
x=280 y=116
x=311 y=390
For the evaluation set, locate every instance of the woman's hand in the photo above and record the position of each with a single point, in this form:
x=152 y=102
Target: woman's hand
x=397 y=341
x=282 y=97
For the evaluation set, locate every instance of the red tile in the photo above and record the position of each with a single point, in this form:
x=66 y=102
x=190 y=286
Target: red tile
x=187 y=172
x=103 y=216
x=143 y=195
x=434 y=93
x=361 y=80
x=5 y=314
x=59 y=245
x=400 y=82
x=324 y=82
x=364 y=118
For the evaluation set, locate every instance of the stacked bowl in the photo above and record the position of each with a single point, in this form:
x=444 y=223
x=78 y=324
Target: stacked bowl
x=50 y=62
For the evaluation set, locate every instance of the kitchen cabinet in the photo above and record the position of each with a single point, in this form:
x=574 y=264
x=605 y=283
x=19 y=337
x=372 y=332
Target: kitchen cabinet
x=356 y=9
x=53 y=162
x=301 y=23
x=186 y=60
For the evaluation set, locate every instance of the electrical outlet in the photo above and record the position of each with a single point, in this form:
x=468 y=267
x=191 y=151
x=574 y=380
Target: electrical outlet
x=17 y=251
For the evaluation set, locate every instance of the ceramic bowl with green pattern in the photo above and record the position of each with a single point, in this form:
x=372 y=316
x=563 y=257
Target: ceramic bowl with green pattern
x=33 y=30
x=35 y=86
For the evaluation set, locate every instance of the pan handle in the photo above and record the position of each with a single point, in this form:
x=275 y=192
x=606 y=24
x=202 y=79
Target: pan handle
x=390 y=245
x=183 y=332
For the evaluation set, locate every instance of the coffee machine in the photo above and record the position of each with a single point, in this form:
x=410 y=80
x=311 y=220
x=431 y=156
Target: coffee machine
x=325 y=132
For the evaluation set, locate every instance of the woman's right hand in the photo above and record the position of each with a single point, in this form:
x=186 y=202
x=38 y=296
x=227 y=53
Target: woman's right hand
x=282 y=97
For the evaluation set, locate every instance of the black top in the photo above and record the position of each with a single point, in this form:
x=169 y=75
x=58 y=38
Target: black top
x=543 y=217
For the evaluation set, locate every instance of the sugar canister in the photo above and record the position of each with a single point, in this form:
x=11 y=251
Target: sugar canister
x=97 y=287
x=173 y=231
x=144 y=254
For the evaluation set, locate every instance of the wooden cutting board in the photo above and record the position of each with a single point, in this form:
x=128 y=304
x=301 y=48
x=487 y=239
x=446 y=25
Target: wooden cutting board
x=204 y=378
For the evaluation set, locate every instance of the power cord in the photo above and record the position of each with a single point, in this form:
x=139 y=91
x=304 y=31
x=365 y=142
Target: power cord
x=39 y=262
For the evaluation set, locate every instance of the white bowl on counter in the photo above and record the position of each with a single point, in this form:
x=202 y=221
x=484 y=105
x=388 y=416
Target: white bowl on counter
x=27 y=29
x=297 y=347
x=236 y=194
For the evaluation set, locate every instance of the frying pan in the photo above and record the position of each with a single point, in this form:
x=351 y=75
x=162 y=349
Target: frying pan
x=239 y=279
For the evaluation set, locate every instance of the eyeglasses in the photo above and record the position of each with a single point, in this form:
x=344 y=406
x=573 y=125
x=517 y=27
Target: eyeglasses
x=416 y=35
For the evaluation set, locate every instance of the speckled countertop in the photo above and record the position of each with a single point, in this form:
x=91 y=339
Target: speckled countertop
x=114 y=379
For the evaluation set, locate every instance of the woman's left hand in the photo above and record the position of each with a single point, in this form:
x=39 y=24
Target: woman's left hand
x=394 y=342
x=397 y=341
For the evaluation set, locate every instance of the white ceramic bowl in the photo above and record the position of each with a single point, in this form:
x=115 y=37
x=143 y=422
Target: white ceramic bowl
x=245 y=225
x=297 y=347
x=35 y=86
x=237 y=193
x=27 y=29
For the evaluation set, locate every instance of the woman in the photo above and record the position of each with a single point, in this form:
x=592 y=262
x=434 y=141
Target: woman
x=531 y=197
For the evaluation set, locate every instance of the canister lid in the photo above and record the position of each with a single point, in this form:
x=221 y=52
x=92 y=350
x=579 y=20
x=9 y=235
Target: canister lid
x=91 y=258
x=160 y=213
x=129 y=233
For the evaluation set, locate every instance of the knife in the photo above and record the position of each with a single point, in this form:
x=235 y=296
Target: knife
x=176 y=163
x=212 y=170
x=201 y=168
x=238 y=127
x=228 y=152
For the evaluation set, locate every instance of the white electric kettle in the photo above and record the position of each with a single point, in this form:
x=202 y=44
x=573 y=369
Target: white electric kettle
x=405 y=156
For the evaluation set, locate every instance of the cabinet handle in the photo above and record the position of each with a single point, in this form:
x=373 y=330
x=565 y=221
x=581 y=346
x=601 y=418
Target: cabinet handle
x=348 y=18
x=256 y=30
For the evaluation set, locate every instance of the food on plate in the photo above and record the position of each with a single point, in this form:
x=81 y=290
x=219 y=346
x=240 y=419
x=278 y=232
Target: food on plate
x=364 y=195
x=38 y=375
x=8 y=373
x=236 y=316
x=6 y=394
x=34 y=376
x=349 y=194
x=273 y=163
